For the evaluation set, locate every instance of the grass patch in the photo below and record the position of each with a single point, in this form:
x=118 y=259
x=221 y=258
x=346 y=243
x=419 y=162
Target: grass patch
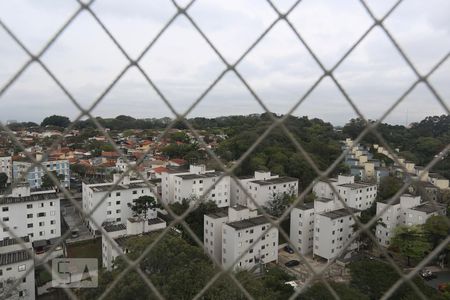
x=86 y=249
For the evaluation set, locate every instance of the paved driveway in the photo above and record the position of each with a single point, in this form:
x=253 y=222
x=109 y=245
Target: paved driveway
x=442 y=277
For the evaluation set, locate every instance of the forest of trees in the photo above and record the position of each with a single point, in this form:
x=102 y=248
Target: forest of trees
x=419 y=143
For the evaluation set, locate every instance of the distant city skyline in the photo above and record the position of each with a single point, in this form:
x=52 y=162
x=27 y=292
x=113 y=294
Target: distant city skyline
x=182 y=65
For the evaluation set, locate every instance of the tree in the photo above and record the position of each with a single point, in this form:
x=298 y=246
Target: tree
x=279 y=203
x=195 y=218
x=141 y=206
x=171 y=262
x=437 y=228
x=47 y=182
x=59 y=121
x=3 y=180
x=388 y=187
x=320 y=291
x=411 y=242
x=365 y=217
x=373 y=278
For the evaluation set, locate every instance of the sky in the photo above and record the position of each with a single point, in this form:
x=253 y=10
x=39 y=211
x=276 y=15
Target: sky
x=182 y=65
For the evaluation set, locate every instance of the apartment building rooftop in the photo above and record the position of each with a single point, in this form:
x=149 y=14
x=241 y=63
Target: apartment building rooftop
x=275 y=180
x=356 y=185
x=219 y=214
x=324 y=200
x=31 y=198
x=339 y=213
x=305 y=206
x=200 y=176
x=115 y=227
x=9 y=242
x=248 y=223
x=14 y=257
x=428 y=207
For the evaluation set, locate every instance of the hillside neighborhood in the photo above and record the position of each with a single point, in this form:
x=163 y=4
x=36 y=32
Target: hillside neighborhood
x=110 y=195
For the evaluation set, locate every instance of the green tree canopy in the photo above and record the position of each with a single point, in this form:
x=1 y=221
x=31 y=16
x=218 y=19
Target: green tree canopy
x=344 y=291
x=55 y=120
x=437 y=228
x=411 y=242
x=141 y=206
x=388 y=187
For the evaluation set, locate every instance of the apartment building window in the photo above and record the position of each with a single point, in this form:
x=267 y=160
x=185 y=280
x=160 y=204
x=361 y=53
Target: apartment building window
x=251 y=241
x=5 y=229
x=52 y=213
x=41 y=233
x=251 y=230
x=5 y=219
x=30 y=225
x=41 y=214
x=118 y=194
x=41 y=224
x=29 y=216
x=108 y=212
x=41 y=204
x=29 y=206
x=51 y=203
x=109 y=203
x=200 y=181
x=52 y=222
x=31 y=235
x=52 y=231
x=118 y=211
x=134 y=192
x=117 y=202
x=5 y=209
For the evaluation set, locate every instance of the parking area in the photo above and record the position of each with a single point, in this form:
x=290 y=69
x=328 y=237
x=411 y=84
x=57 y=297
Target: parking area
x=302 y=272
x=441 y=277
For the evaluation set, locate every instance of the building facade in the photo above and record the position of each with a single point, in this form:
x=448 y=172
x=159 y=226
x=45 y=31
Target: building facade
x=15 y=261
x=23 y=169
x=112 y=205
x=230 y=233
x=6 y=167
x=33 y=214
x=262 y=187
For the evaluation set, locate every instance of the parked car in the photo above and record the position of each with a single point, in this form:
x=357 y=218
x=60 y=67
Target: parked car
x=426 y=274
x=288 y=249
x=292 y=263
x=75 y=233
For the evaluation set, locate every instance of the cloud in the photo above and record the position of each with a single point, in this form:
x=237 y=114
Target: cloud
x=182 y=65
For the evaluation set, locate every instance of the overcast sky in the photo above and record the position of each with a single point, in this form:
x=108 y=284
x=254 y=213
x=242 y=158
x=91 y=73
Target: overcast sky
x=182 y=65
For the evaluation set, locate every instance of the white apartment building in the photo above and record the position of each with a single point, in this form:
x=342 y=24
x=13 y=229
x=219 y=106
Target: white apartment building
x=357 y=195
x=33 y=214
x=263 y=187
x=14 y=263
x=114 y=207
x=228 y=235
x=34 y=174
x=333 y=229
x=306 y=218
x=179 y=185
x=119 y=232
x=407 y=210
x=6 y=166
x=302 y=227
